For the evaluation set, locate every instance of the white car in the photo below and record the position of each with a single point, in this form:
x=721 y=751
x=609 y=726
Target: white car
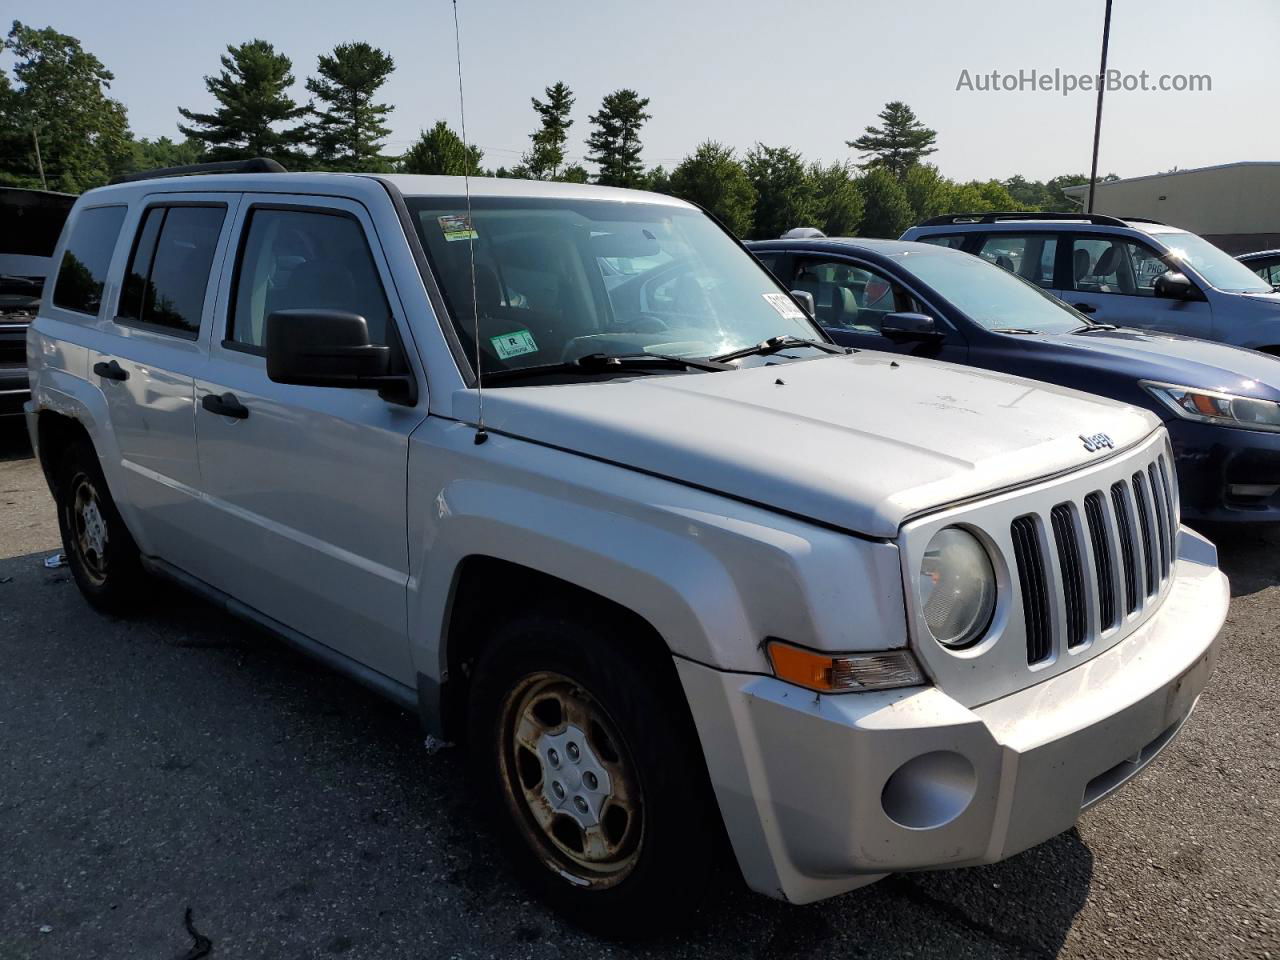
x=685 y=569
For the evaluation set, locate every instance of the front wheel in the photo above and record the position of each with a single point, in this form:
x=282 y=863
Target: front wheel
x=583 y=748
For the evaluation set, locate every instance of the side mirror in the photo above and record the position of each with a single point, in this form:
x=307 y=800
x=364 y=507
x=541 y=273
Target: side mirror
x=806 y=301
x=330 y=348
x=910 y=326
x=1175 y=286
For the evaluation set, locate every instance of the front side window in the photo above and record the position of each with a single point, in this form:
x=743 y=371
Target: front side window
x=1218 y=267
x=848 y=297
x=1268 y=271
x=1030 y=256
x=1105 y=264
x=305 y=260
x=557 y=279
x=168 y=272
x=989 y=295
x=83 y=271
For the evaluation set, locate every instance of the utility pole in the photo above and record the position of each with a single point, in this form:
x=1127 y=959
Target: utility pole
x=35 y=135
x=1097 y=120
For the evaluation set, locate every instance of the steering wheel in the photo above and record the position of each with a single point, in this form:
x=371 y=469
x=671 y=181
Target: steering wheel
x=641 y=323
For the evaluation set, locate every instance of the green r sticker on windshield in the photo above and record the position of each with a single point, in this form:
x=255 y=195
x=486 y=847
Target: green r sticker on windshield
x=516 y=344
x=456 y=226
x=785 y=306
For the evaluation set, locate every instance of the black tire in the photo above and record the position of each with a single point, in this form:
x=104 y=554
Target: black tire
x=99 y=549
x=669 y=842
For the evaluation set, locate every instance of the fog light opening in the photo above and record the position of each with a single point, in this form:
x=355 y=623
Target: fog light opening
x=929 y=791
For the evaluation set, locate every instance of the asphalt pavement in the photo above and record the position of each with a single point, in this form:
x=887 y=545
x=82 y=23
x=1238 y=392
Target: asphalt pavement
x=181 y=761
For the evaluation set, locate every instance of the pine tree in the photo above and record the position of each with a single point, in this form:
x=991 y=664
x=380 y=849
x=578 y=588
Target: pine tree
x=615 y=141
x=839 y=201
x=546 y=159
x=713 y=178
x=887 y=212
x=784 y=191
x=441 y=151
x=348 y=131
x=902 y=141
x=252 y=100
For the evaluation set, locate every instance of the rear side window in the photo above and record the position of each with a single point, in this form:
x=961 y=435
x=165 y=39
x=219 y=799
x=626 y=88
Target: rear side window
x=1030 y=256
x=952 y=240
x=83 y=270
x=304 y=260
x=168 y=273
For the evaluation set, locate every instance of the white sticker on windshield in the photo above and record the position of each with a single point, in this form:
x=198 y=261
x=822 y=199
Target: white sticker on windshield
x=785 y=306
x=510 y=345
x=457 y=227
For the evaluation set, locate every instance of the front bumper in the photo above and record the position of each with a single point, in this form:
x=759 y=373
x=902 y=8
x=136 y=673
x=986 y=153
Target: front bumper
x=822 y=794
x=15 y=390
x=1226 y=475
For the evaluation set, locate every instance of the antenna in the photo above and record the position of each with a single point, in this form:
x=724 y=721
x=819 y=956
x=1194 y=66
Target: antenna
x=481 y=434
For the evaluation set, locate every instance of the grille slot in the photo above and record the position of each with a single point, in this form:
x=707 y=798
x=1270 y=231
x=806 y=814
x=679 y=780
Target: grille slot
x=1071 y=571
x=1124 y=524
x=1171 y=507
x=1144 y=532
x=1102 y=562
x=1035 y=587
x=1160 y=497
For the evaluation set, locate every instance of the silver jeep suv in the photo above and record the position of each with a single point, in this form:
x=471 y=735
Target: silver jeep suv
x=682 y=568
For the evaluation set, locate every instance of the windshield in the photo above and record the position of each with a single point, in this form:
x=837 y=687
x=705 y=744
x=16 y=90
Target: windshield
x=989 y=295
x=1221 y=269
x=559 y=279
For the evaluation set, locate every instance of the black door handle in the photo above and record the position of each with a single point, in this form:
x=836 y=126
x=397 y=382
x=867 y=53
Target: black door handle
x=110 y=371
x=1085 y=307
x=224 y=406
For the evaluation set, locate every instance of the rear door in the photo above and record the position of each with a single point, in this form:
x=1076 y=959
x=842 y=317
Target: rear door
x=307 y=485
x=1112 y=278
x=1031 y=256
x=146 y=366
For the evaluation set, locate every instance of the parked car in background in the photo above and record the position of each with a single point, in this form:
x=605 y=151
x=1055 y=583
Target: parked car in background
x=1265 y=263
x=1132 y=273
x=696 y=571
x=30 y=221
x=1221 y=404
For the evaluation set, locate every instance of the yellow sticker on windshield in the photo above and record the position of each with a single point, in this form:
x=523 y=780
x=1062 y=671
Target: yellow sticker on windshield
x=515 y=344
x=456 y=226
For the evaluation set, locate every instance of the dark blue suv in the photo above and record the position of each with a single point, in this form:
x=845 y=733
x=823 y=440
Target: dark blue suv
x=1221 y=404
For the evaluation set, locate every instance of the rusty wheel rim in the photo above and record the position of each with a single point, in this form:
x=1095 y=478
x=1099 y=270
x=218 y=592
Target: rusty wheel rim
x=570 y=780
x=89 y=534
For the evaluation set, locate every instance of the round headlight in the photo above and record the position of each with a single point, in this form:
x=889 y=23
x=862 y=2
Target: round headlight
x=957 y=588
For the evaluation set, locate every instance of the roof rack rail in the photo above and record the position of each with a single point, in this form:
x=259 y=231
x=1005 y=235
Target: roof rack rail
x=1097 y=219
x=1158 y=223
x=256 y=165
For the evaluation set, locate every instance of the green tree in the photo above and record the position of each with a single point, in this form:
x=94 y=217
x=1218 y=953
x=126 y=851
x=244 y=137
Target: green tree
x=546 y=157
x=902 y=141
x=614 y=144
x=658 y=180
x=785 y=195
x=61 y=96
x=349 y=127
x=978 y=196
x=441 y=151
x=253 y=101
x=714 y=178
x=162 y=152
x=928 y=192
x=840 y=204
x=574 y=173
x=887 y=212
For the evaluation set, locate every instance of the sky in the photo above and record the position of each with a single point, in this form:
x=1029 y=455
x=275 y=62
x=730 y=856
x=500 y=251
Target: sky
x=808 y=75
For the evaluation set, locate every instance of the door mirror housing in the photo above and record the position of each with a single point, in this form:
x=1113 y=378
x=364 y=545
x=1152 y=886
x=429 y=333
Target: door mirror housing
x=1175 y=286
x=911 y=326
x=330 y=348
x=806 y=301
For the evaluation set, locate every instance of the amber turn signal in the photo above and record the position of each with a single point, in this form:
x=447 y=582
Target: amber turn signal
x=844 y=672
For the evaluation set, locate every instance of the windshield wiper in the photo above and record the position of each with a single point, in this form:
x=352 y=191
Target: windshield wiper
x=1090 y=327
x=775 y=344
x=1022 y=330
x=606 y=363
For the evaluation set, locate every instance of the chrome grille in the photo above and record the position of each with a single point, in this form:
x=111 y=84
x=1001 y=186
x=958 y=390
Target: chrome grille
x=1109 y=549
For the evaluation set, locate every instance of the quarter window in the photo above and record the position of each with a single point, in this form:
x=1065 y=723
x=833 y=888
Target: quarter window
x=1102 y=264
x=1030 y=256
x=83 y=270
x=168 y=273
x=305 y=260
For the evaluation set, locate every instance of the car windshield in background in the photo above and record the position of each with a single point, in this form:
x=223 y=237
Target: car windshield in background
x=557 y=280
x=990 y=295
x=1218 y=267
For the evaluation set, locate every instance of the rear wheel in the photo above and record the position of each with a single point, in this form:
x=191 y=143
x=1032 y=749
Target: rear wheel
x=583 y=749
x=99 y=549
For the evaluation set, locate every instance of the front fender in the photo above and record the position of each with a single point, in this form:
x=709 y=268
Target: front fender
x=714 y=577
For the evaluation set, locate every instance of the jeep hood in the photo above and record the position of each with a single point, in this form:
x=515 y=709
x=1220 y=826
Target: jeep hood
x=862 y=442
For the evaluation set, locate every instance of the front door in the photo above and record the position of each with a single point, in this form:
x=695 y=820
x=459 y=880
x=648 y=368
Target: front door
x=307 y=486
x=1112 y=278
